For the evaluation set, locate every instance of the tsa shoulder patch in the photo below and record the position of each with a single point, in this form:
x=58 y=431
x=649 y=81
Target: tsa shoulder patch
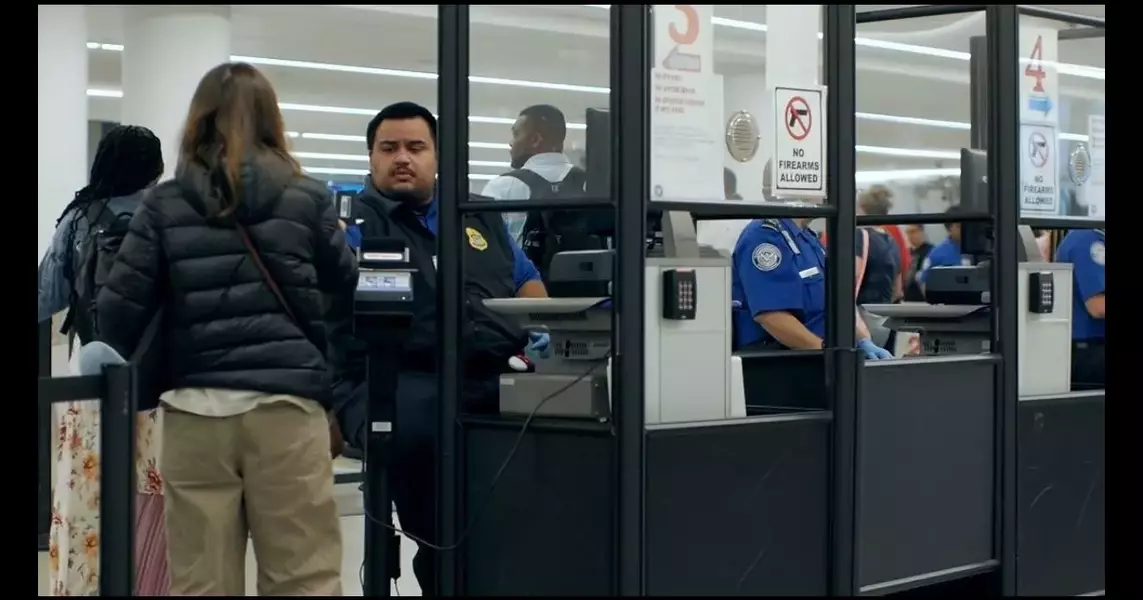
x=766 y=257
x=476 y=239
x=1097 y=251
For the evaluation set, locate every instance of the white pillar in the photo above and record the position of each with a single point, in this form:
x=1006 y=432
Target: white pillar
x=166 y=52
x=62 y=116
x=793 y=55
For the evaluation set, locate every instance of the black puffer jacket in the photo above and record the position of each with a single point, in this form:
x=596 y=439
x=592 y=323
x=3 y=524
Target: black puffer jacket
x=223 y=326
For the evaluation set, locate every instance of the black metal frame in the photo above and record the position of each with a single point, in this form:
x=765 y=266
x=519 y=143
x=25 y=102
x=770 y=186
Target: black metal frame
x=1003 y=37
x=630 y=190
x=839 y=28
x=452 y=182
x=629 y=102
x=996 y=127
x=115 y=391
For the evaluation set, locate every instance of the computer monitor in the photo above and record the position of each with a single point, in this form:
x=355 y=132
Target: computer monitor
x=598 y=155
x=976 y=236
x=974 y=180
x=598 y=152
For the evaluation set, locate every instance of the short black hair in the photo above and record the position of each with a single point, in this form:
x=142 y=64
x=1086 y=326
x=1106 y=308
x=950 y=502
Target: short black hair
x=952 y=211
x=548 y=121
x=400 y=111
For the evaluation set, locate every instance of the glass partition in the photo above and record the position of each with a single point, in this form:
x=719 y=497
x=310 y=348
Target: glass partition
x=538 y=101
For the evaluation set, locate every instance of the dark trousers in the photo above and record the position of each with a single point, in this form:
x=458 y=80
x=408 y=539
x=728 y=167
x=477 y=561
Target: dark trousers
x=1088 y=366
x=413 y=472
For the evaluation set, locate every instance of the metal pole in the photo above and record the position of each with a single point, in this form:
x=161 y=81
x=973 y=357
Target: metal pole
x=117 y=482
x=452 y=186
x=44 y=441
x=839 y=31
x=379 y=549
x=630 y=109
x=842 y=361
x=1003 y=33
x=978 y=91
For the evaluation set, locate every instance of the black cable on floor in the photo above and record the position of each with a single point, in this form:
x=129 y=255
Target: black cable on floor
x=495 y=479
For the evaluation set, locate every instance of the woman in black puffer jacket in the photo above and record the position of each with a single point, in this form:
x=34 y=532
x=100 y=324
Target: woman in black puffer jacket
x=246 y=446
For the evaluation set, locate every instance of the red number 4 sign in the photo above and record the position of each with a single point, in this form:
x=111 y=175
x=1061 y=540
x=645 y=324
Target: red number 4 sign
x=1035 y=67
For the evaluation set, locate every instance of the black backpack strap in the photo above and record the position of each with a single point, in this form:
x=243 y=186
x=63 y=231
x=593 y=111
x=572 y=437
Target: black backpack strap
x=538 y=187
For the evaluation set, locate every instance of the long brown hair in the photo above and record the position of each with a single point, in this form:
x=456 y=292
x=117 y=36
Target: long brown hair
x=233 y=115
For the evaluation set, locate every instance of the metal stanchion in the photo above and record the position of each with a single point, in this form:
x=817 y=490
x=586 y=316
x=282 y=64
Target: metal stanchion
x=116 y=393
x=44 y=440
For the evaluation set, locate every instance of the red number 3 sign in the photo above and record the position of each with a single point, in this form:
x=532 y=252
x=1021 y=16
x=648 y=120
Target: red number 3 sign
x=690 y=31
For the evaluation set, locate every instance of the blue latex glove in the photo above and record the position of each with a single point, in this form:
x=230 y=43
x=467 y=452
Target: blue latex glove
x=540 y=341
x=538 y=346
x=873 y=351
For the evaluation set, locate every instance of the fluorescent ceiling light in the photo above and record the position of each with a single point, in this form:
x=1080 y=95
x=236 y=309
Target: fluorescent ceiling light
x=1085 y=71
x=365 y=158
x=907 y=152
x=382 y=72
x=904 y=174
x=877 y=150
x=861 y=176
x=360 y=139
x=342 y=110
x=861 y=149
x=364 y=172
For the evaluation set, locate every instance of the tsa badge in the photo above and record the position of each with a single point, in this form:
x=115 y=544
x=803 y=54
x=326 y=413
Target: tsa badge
x=476 y=239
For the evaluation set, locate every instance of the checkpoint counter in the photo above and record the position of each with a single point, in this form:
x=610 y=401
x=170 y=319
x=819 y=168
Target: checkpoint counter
x=739 y=482
x=715 y=477
x=932 y=422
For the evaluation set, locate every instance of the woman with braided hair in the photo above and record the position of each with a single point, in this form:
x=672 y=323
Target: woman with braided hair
x=128 y=161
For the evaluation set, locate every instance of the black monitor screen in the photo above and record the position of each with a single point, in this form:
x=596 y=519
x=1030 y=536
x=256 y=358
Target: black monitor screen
x=598 y=153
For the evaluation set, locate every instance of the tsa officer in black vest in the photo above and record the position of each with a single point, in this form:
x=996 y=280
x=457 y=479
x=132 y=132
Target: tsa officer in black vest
x=399 y=201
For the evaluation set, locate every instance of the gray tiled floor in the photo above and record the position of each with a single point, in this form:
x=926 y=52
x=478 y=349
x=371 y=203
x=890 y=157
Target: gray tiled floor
x=353 y=544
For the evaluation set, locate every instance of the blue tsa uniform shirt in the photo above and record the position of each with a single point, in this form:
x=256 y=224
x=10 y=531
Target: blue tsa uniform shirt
x=1085 y=250
x=523 y=270
x=945 y=254
x=776 y=266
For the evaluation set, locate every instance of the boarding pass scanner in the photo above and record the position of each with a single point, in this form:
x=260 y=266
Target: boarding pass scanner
x=957 y=320
x=688 y=372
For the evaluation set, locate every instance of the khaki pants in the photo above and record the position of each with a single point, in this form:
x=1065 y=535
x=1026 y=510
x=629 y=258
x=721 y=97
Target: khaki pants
x=266 y=473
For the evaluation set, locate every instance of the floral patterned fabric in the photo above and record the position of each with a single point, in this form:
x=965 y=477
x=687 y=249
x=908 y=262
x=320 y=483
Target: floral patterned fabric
x=73 y=550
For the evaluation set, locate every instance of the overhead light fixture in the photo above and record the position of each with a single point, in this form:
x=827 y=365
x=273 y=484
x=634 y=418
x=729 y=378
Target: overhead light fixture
x=342 y=110
x=382 y=72
x=364 y=172
x=876 y=150
x=904 y=174
x=1085 y=71
x=360 y=139
x=365 y=158
x=907 y=152
x=862 y=176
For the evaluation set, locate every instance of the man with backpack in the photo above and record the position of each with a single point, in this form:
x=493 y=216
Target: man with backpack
x=542 y=170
